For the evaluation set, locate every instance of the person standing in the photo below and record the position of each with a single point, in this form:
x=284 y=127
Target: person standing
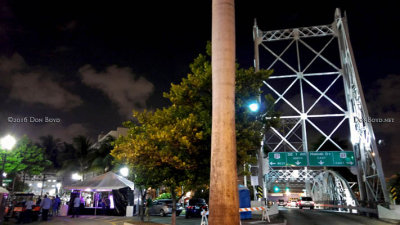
x=28 y=210
x=56 y=205
x=45 y=205
x=108 y=205
x=77 y=204
x=38 y=201
x=149 y=204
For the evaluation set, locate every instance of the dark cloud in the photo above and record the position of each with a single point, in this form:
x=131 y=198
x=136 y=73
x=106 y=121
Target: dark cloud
x=69 y=26
x=120 y=85
x=12 y=64
x=55 y=127
x=384 y=103
x=34 y=86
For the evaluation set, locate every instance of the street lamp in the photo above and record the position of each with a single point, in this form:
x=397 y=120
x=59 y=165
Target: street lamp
x=124 y=171
x=76 y=176
x=6 y=143
x=254 y=106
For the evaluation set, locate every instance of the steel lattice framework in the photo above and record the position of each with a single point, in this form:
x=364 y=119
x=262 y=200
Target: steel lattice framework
x=329 y=187
x=337 y=107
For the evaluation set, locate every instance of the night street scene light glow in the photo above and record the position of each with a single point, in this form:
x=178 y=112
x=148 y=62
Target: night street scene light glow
x=124 y=171
x=254 y=107
x=73 y=72
x=7 y=142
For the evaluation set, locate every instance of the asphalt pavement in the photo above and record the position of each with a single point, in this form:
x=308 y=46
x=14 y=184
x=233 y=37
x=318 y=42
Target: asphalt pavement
x=292 y=216
x=320 y=217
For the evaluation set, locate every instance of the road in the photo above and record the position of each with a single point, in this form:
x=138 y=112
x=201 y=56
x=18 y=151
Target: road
x=111 y=220
x=319 y=217
x=292 y=216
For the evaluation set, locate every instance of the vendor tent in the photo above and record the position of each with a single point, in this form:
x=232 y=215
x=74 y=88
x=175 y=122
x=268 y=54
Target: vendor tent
x=118 y=186
x=105 y=182
x=3 y=190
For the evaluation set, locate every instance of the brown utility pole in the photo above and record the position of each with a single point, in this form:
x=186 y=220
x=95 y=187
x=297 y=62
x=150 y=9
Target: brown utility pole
x=224 y=197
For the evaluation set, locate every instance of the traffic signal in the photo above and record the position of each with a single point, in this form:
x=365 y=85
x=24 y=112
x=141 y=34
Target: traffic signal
x=276 y=189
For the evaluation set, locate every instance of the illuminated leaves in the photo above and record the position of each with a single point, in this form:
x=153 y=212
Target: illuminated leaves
x=176 y=141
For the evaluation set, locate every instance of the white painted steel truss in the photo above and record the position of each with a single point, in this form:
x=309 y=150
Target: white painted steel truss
x=291 y=175
x=331 y=188
x=352 y=116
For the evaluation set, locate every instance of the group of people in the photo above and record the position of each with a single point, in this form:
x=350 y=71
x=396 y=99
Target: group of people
x=46 y=204
x=104 y=203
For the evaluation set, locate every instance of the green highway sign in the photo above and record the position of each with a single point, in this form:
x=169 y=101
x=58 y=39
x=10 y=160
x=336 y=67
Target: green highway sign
x=7 y=180
x=331 y=158
x=338 y=158
x=296 y=159
x=320 y=158
x=277 y=159
x=343 y=158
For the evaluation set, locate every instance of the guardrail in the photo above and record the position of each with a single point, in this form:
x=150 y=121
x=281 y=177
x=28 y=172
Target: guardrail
x=361 y=209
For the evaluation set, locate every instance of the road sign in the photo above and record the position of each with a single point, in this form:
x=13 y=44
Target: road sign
x=339 y=158
x=254 y=180
x=277 y=158
x=7 y=180
x=296 y=159
x=343 y=158
x=331 y=158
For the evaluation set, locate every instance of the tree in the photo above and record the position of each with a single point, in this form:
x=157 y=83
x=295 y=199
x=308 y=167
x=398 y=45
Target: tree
x=99 y=158
x=34 y=158
x=75 y=156
x=26 y=158
x=172 y=145
x=51 y=146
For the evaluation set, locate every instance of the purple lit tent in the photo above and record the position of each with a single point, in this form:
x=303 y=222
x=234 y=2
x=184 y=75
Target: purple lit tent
x=108 y=182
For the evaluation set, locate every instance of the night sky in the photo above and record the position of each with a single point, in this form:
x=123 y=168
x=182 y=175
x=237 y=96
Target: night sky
x=87 y=64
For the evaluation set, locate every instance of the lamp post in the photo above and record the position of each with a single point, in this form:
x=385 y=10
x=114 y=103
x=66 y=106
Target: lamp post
x=124 y=171
x=76 y=177
x=6 y=143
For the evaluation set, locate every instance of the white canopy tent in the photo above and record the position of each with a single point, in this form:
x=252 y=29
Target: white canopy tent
x=3 y=190
x=105 y=182
x=102 y=183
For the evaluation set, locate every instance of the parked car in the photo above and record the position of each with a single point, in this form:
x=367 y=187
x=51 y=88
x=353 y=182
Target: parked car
x=291 y=203
x=281 y=202
x=305 y=202
x=163 y=207
x=195 y=207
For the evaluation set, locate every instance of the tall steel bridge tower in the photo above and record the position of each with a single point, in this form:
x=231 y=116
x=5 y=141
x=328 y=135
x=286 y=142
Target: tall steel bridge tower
x=317 y=88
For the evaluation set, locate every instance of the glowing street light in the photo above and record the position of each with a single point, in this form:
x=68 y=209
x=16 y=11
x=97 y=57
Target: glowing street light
x=254 y=107
x=124 y=171
x=6 y=143
x=76 y=176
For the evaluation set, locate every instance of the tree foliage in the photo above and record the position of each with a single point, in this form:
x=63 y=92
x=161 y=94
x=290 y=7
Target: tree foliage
x=173 y=143
x=26 y=157
x=74 y=157
x=51 y=148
